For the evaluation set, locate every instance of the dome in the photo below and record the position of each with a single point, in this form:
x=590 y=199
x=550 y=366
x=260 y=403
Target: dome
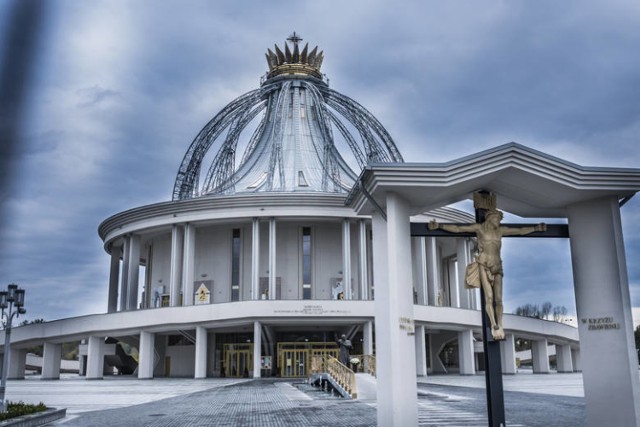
x=294 y=134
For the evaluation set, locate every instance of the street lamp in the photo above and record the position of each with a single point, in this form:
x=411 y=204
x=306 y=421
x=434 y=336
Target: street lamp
x=12 y=304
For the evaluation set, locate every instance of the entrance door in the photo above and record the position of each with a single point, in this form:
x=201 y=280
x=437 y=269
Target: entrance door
x=294 y=363
x=294 y=358
x=238 y=360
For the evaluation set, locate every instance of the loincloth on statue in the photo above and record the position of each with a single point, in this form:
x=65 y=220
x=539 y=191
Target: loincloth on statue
x=472 y=273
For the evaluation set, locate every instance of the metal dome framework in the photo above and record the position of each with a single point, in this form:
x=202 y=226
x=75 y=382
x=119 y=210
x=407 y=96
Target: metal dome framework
x=282 y=96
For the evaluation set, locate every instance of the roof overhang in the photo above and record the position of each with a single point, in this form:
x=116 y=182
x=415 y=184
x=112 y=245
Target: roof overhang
x=528 y=183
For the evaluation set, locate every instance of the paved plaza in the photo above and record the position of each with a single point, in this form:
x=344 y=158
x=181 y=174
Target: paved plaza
x=444 y=400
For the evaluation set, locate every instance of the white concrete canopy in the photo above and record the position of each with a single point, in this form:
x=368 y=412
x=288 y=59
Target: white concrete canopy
x=529 y=183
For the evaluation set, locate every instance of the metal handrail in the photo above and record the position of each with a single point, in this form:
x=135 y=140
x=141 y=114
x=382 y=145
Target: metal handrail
x=369 y=363
x=344 y=376
x=317 y=365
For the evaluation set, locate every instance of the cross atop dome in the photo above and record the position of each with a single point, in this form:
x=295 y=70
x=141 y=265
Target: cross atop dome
x=294 y=38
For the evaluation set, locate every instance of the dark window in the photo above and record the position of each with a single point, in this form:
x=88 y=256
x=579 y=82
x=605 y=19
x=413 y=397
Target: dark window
x=235 y=265
x=306 y=262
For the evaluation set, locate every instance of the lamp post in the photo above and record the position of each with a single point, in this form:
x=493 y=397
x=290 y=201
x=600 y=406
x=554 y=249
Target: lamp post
x=12 y=304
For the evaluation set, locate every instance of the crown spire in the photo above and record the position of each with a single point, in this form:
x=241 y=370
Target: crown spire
x=294 y=61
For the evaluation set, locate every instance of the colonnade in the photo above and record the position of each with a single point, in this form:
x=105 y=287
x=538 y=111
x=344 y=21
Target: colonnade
x=567 y=359
x=123 y=280
x=427 y=347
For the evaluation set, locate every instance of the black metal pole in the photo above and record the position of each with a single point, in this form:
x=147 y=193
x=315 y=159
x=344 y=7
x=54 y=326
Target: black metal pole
x=492 y=361
x=492 y=373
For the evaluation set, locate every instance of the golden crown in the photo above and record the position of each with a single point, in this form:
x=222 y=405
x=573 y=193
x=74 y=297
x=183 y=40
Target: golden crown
x=294 y=61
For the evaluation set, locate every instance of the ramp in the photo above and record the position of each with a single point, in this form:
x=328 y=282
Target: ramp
x=367 y=386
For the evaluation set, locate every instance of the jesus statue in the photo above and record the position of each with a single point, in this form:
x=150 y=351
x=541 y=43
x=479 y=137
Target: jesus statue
x=487 y=267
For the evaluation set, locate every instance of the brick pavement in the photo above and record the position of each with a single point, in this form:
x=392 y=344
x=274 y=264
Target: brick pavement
x=259 y=403
x=119 y=401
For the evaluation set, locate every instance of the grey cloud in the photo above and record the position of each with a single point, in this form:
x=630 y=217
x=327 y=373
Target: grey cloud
x=94 y=95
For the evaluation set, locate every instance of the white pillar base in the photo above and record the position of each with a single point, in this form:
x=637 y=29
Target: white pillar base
x=508 y=354
x=51 y=356
x=564 y=363
x=95 y=358
x=146 y=355
x=257 y=349
x=540 y=356
x=200 y=370
x=421 y=352
x=17 y=361
x=466 y=353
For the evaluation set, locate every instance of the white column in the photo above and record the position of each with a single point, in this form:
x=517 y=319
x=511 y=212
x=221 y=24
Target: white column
x=95 y=358
x=201 y=353
x=188 y=263
x=51 y=356
x=346 y=258
x=395 y=343
x=367 y=338
x=124 y=290
x=575 y=360
x=367 y=341
x=255 y=260
x=601 y=286
x=176 y=265
x=148 y=274
x=114 y=279
x=146 y=355
x=17 y=359
x=466 y=355
x=540 y=356
x=133 y=271
x=563 y=358
x=362 y=265
x=462 y=255
x=421 y=352
x=420 y=282
x=257 y=348
x=508 y=354
x=433 y=274
x=272 y=258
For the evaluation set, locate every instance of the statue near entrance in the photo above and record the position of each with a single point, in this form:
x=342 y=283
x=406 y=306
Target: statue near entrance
x=487 y=268
x=345 y=347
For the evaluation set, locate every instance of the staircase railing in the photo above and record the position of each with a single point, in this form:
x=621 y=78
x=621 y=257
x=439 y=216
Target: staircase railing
x=369 y=364
x=317 y=365
x=365 y=363
x=342 y=375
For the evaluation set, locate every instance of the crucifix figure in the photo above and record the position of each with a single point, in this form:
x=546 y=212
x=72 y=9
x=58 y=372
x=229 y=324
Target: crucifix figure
x=488 y=264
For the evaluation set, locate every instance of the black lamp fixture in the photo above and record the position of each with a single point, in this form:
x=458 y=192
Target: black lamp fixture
x=11 y=305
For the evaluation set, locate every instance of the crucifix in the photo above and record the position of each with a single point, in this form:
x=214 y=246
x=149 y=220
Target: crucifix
x=486 y=273
x=486 y=270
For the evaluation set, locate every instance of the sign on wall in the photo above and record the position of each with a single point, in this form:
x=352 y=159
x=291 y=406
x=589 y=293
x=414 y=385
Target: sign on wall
x=202 y=295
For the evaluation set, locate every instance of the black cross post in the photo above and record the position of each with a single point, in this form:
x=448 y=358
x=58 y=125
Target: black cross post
x=492 y=359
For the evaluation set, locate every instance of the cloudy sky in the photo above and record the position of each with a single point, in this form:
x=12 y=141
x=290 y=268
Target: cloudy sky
x=122 y=87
